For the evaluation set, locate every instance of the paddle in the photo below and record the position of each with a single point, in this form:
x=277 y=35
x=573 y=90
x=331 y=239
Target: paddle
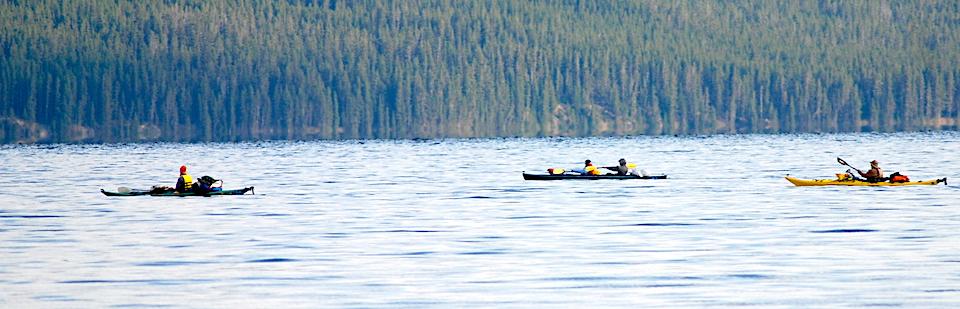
x=841 y=161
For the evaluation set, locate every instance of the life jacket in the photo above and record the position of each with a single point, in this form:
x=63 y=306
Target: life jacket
x=187 y=182
x=592 y=170
x=873 y=177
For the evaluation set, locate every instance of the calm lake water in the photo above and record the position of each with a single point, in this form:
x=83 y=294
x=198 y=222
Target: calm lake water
x=451 y=223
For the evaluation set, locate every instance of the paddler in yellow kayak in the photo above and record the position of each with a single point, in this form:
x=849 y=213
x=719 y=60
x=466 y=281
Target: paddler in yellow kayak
x=874 y=177
x=874 y=174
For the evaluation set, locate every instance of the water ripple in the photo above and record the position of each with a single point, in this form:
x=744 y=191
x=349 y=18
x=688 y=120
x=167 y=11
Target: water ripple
x=170 y=263
x=844 y=231
x=272 y=260
x=30 y=216
x=139 y=281
x=662 y=224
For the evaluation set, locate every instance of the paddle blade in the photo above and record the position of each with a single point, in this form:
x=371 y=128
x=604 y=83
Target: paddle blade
x=123 y=190
x=842 y=162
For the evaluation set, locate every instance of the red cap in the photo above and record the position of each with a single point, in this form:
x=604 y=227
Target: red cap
x=183 y=169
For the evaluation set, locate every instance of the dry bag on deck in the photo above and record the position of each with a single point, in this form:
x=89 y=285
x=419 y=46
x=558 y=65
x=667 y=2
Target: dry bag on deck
x=208 y=184
x=896 y=177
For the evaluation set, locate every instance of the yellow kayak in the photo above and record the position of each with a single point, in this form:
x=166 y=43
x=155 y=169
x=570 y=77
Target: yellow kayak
x=849 y=182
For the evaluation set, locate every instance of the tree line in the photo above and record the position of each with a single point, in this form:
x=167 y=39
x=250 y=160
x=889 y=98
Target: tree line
x=195 y=70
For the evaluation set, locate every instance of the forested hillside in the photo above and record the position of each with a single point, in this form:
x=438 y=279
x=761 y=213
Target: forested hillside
x=192 y=70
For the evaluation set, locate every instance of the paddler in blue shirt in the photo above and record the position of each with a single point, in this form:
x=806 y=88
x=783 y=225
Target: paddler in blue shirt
x=185 y=182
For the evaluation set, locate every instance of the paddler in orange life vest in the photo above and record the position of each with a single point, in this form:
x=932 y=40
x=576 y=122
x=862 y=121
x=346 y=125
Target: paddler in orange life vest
x=589 y=169
x=185 y=182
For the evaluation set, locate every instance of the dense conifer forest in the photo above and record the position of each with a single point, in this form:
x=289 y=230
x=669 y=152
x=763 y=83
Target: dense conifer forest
x=194 y=70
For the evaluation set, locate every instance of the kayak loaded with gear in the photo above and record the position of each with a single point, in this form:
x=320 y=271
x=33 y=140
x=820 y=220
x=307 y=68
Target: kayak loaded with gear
x=851 y=182
x=591 y=172
x=848 y=179
x=167 y=191
x=528 y=176
x=205 y=186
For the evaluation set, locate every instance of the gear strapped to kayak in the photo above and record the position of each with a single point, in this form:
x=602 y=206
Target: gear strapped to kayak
x=209 y=184
x=847 y=181
x=167 y=191
x=624 y=170
x=528 y=176
x=873 y=178
x=204 y=186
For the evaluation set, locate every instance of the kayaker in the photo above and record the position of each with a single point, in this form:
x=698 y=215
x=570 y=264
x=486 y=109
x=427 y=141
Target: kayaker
x=874 y=174
x=622 y=169
x=185 y=182
x=588 y=169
